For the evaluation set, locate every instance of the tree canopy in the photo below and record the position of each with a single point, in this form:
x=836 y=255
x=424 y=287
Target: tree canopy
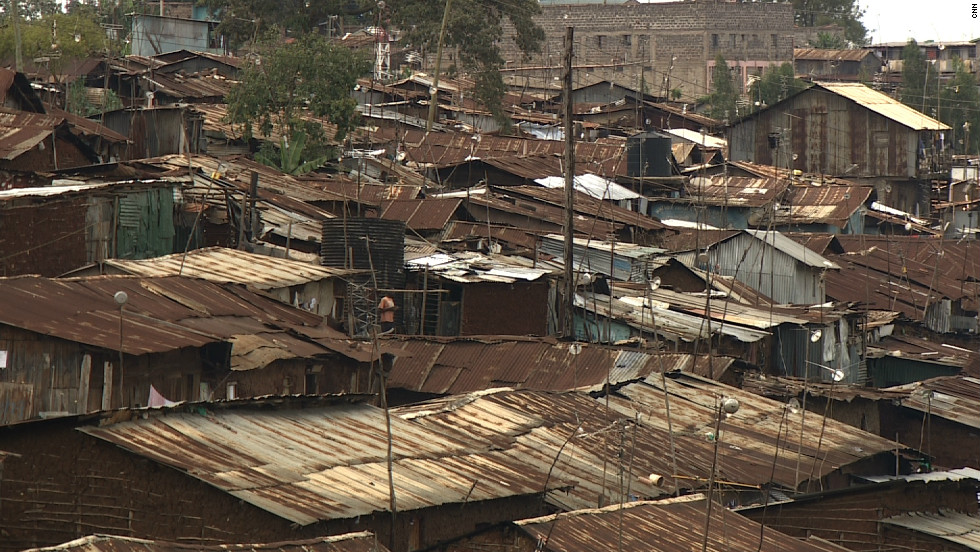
x=775 y=84
x=920 y=85
x=288 y=78
x=55 y=40
x=724 y=97
x=843 y=13
x=245 y=21
x=474 y=30
x=959 y=105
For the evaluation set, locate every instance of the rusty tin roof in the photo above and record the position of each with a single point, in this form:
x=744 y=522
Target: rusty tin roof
x=349 y=542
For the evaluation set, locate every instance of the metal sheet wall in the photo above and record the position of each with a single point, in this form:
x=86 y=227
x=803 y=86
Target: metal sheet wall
x=767 y=270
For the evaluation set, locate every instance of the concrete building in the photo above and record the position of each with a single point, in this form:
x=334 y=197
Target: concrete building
x=674 y=44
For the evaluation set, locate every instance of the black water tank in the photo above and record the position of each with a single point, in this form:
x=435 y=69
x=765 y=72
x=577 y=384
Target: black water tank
x=365 y=244
x=648 y=154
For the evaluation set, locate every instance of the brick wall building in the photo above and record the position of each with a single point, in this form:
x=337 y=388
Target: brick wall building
x=679 y=38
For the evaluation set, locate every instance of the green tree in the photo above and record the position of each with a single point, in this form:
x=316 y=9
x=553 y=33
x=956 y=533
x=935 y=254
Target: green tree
x=920 y=85
x=287 y=79
x=829 y=41
x=292 y=156
x=843 y=13
x=57 y=40
x=243 y=21
x=724 y=97
x=474 y=30
x=776 y=84
x=959 y=105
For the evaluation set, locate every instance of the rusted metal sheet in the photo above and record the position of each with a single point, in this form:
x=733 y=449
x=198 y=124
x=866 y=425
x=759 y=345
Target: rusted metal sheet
x=21 y=131
x=757 y=437
x=884 y=105
x=672 y=525
x=736 y=191
x=588 y=206
x=528 y=363
x=422 y=215
x=956 y=398
x=823 y=54
x=822 y=204
x=190 y=88
x=330 y=462
x=350 y=542
x=223 y=265
x=161 y=314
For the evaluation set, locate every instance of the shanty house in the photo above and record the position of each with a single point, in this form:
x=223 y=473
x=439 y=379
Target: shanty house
x=768 y=262
x=836 y=65
x=474 y=294
x=54 y=229
x=314 y=288
x=73 y=346
x=363 y=541
x=844 y=129
x=939 y=511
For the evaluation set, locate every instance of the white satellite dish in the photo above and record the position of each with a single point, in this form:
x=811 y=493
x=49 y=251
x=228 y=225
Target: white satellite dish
x=655 y=283
x=793 y=405
x=815 y=335
x=837 y=375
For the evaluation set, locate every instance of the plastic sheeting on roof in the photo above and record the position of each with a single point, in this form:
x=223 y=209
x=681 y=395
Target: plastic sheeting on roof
x=594 y=186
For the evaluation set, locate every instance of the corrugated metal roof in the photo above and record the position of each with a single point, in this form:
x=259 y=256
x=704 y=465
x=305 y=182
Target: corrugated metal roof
x=502 y=210
x=673 y=525
x=593 y=186
x=822 y=54
x=471 y=267
x=752 y=434
x=20 y=131
x=330 y=462
x=537 y=364
x=190 y=87
x=796 y=250
x=883 y=105
x=423 y=215
x=223 y=265
x=956 y=527
x=923 y=350
x=821 y=204
x=734 y=191
x=161 y=314
x=955 y=398
x=961 y=474
x=605 y=157
x=350 y=542
x=704 y=140
x=586 y=205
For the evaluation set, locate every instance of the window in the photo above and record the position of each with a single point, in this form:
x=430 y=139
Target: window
x=714 y=41
x=600 y=41
x=731 y=40
x=627 y=40
x=775 y=40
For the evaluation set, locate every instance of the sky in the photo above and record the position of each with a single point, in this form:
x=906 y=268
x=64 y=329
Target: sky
x=939 y=20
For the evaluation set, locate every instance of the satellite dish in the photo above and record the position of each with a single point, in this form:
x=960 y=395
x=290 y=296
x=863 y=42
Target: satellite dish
x=815 y=335
x=575 y=348
x=121 y=297
x=793 y=405
x=837 y=375
x=655 y=283
x=908 y=226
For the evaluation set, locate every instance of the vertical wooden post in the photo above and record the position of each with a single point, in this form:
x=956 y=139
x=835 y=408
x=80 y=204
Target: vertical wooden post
x=84 y=379
x=107 y=386
x=568 y=311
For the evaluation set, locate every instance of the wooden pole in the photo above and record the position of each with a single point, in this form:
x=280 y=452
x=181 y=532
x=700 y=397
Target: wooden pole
x=569 y=227
x=434 y=91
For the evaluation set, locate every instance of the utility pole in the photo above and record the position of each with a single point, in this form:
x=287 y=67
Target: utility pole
x=434 y=91
x=569 y=226
x=18 y=55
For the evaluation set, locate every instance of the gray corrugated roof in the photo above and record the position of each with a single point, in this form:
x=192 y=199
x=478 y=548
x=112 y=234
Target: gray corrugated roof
x=955 y=527
x=796 y=250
